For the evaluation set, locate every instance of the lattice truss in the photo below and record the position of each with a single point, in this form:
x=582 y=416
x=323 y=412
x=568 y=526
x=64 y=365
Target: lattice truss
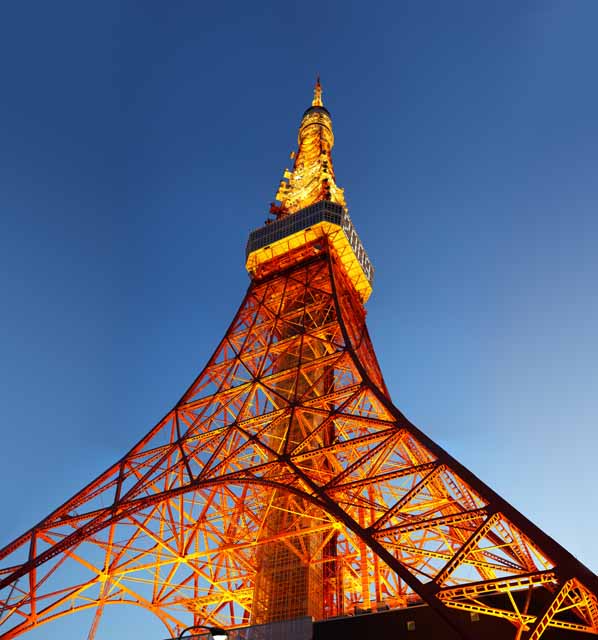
x=285 y=475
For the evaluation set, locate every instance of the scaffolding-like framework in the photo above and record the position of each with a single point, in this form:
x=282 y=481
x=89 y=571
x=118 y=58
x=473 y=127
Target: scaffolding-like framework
x=285 y=466
x=285 y=483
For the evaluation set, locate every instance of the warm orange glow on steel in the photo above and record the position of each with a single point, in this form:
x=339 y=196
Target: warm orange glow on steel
x=285 y=483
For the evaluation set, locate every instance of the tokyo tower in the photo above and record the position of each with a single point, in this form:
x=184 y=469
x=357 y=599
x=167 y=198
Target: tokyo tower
x=284 y=483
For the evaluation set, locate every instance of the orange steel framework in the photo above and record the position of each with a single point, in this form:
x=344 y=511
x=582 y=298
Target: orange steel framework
x=285 y=482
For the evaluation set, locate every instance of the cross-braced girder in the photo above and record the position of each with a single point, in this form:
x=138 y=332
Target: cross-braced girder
x=286 y=466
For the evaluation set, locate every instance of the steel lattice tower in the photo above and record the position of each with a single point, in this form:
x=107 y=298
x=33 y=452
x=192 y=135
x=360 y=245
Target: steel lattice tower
x=285 y=482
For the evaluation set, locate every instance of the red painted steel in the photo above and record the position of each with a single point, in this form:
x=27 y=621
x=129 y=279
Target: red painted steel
x=291 y=423
x=285 y=483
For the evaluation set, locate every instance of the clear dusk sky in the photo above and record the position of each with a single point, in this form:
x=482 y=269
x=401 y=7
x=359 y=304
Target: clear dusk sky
x=140 y=142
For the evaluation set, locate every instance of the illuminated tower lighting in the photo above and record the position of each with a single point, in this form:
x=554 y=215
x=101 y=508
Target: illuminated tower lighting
x=285 y=483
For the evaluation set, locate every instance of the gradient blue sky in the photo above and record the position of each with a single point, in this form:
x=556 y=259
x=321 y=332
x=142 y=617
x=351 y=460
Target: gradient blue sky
x=141 y=141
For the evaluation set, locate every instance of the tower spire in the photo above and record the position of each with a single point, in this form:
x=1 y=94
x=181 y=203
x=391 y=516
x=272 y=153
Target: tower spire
x=317 y=101
x=312 y=178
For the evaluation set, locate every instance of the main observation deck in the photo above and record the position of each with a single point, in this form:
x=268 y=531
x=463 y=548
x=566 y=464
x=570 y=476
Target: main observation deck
x=324 y=219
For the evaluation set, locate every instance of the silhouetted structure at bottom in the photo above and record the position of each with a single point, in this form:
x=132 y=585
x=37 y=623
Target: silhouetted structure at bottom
x=420 y=622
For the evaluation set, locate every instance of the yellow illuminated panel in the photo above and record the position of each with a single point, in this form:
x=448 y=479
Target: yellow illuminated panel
x=338 y=242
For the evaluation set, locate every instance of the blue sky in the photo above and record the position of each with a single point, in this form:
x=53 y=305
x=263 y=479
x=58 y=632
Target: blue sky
x=142 y=141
